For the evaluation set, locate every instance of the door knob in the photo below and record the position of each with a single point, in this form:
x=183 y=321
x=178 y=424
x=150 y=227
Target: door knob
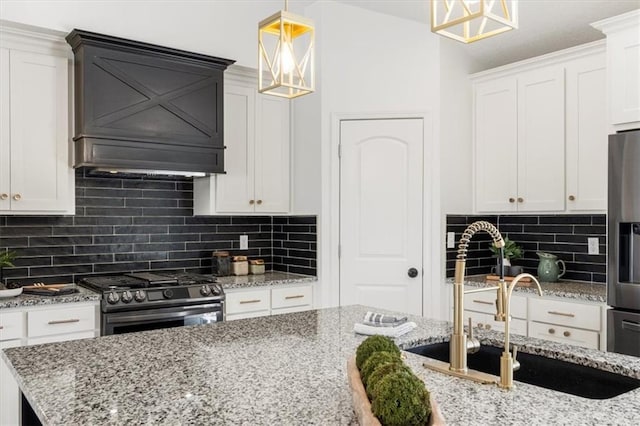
x=412 y=272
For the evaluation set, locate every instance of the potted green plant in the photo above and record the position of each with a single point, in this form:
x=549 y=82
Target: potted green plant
x=6 y=261
x=512 y=251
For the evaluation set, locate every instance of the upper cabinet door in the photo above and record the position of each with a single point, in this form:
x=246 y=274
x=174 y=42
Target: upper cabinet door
x=5 y=131
x=624 y=61
x=272 y=155
x=496 y=145
x=235 y=189
x=39 y=147
x=541 y=140
x=586 y=133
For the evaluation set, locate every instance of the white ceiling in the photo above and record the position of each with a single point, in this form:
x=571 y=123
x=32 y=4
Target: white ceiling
x=544 y=26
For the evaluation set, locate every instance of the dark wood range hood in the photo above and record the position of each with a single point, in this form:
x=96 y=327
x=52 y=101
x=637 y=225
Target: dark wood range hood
x=140 y=106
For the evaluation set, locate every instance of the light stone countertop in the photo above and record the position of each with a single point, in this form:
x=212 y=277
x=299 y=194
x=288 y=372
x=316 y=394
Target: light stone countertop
x=269 y=278
x=26 y=300
x=578 y=290
x=285 y=369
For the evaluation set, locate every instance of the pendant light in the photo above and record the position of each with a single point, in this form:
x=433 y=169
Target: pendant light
x=286 y=55
x=472 y=20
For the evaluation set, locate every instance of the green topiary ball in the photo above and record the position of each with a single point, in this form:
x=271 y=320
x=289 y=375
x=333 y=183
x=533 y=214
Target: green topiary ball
x=381 y=371
x=374 y=361
x=400 y=399
x=374 y=344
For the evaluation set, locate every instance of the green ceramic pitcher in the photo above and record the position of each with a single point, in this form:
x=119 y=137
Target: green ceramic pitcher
x=548 y=268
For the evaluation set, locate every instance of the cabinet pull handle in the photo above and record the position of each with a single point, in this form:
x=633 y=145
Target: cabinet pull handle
x=4 y=196
x=552 y=330
x=482 y=302
x=251 y=201
x=1 y=327
x=67 y=321
x=562 y=314
x=567 y=333
x=244 y=302
x=512 y=200
x=297 y=296
x=480 y=325
x=520 y=200
x=259 y=201
x=487 y=326
x=17 y=197
x=572 y=198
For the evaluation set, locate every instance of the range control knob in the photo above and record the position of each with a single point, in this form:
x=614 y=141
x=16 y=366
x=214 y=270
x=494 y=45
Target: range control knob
x=113 y=298
x=168 y=294
x=215 y=290
x=205 y=290
x=126 y=296
x=139 y=296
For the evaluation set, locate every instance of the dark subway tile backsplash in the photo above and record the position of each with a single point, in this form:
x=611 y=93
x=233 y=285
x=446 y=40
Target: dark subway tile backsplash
x=562 y=235
x=124 y=225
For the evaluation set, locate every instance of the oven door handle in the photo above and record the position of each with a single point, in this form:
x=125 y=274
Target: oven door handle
x=167 y=315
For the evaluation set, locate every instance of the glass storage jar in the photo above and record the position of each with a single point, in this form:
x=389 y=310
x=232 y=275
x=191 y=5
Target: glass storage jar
x=240 y=266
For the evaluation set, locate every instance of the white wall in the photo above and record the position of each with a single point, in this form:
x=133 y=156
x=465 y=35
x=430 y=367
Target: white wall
x=223 y=28
x=456 y=127
x=370 y=63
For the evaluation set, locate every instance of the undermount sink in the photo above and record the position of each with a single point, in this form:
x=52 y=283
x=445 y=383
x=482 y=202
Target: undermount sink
x=537 y=370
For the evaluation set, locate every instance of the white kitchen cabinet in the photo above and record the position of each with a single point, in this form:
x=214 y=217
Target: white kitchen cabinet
x=519 y=142
x=257 y=156
x=36 y=176
x=540 y=134
x=623 y=68
x=586 y=133
x=260 y=301
x=566 y=322
x=38 y=325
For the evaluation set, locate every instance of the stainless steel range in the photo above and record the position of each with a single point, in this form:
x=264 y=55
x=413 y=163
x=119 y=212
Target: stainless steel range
x=146 y=301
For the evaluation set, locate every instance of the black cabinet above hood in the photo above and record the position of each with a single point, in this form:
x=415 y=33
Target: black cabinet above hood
x=140 y=106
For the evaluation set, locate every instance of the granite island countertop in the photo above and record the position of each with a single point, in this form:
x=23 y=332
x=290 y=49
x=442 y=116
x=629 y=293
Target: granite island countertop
x=578 y=290
x=269 y=278
x=285 y=369
x=25 y=300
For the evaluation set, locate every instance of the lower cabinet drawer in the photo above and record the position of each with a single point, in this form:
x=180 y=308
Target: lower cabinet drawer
x=248 y=301
x=561 y=334
x=565 y=313
x=11 y=325
x=61 y=321
x=486 y=322
x=291 y=296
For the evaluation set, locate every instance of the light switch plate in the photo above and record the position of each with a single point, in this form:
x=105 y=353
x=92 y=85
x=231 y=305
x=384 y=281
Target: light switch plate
x=244 y=242
x=594 y=245
x=451 y=237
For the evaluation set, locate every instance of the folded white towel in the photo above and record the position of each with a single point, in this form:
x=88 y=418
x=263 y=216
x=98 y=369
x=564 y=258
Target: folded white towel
x=384 y=331
x=380 y=320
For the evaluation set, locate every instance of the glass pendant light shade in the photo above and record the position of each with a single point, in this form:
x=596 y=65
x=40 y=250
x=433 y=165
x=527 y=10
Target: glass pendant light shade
x=286 y=55
x=472 y=20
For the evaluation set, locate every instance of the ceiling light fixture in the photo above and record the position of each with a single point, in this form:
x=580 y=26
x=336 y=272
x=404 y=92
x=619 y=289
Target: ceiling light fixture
x=472 y=20
x=286 y=55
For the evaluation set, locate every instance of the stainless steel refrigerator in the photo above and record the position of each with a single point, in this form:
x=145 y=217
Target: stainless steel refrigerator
x=623 y=250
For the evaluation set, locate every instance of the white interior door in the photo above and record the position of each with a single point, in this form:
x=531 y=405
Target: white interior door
x=381 y=213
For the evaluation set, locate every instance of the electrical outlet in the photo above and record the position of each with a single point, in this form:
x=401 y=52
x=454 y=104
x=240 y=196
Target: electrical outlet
x=594 y=245
x=451 y=237
x=244 y=242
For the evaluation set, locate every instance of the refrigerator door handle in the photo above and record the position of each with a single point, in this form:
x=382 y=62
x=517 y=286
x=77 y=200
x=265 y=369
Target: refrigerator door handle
x=631 y=326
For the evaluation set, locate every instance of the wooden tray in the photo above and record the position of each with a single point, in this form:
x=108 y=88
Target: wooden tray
x=362 y=406
x=525 y=281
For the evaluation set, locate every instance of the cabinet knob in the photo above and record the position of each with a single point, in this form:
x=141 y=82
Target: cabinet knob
x=552 y=331
x=572 y=198
x=567 y=333
x=17 y=197
x=4 y=196
x=487 y=326
x=251 y=201
x=480 y=325
x=259 y=201
x=512 y=200
x=520 y=199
